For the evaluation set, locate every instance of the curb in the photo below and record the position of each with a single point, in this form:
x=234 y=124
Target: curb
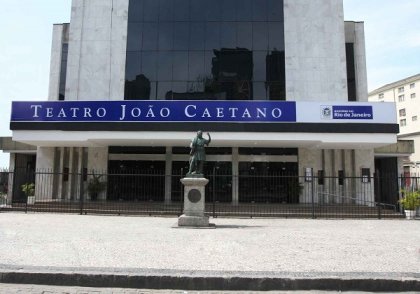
x=205 y=280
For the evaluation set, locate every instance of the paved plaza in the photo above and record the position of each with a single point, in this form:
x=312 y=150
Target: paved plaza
x=240 y=248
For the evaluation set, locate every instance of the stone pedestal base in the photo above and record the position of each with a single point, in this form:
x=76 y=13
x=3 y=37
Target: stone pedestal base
x=193 y=221
x=194 y=201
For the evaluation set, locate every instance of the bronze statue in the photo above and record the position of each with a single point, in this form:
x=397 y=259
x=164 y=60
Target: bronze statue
x=198 y=154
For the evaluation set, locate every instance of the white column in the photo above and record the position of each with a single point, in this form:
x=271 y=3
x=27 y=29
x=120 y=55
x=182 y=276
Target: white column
x=10 y=180
x=44 y=181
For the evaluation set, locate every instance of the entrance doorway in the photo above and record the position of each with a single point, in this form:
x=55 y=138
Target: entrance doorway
x=268 y=182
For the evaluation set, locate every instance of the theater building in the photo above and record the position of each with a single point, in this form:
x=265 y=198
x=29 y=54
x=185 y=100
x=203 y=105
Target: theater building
x=280 y=85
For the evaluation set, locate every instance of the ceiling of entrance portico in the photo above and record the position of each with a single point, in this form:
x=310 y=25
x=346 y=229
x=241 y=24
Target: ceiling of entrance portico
x=219 y=139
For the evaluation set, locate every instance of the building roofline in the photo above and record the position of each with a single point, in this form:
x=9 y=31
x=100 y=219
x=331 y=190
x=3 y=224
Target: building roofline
x=395 y=84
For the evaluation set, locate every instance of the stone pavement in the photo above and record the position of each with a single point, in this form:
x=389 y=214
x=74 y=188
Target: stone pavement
x=255 y=254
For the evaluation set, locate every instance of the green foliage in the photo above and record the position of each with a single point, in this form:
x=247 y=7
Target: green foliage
x=28 y=189
x=411 y=199
x=95 y=185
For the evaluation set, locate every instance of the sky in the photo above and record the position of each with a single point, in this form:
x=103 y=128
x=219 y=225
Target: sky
x=392 y=32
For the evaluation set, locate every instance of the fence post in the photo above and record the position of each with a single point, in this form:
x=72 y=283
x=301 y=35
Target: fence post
x=214 y=190
x=182 y=193
x=312 y=193
x=379 y=210
x=81 y=186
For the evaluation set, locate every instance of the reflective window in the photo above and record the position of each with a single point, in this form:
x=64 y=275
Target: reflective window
x=212 y=37
x=197 y=12
x=275 y=10
x=228 y=35
x=150 y=10
x=228 y=10
x=133 y=67
x=181 y=36
x=259 y=10
x=150 y=36
x=260 y=36
x=135 y=30
x=195 y=65
x=166 y=36
x=135 y=13
x=180 y=66
x=181 y=10
x=244 y=10
x=166 y=11
x=197 y=36
x=149 y=64
x=213 y=10
x=205 y=49
x=276 y=36
x=244 y=35
x=164 y=66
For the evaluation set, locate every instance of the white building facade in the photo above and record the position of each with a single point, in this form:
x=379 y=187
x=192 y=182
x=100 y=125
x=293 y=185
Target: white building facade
x=405 y=94
x=297 y=57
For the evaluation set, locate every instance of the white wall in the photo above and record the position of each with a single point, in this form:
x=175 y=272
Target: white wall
x=96 y=61
x=315 y=50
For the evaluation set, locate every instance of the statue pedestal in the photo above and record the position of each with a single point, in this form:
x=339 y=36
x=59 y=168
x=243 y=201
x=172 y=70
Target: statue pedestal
x=194 y=201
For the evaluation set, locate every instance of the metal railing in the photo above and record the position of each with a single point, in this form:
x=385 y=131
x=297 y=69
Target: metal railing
x=152 y=192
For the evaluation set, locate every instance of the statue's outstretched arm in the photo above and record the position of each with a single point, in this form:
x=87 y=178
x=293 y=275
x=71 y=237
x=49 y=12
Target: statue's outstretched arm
x=209 y=140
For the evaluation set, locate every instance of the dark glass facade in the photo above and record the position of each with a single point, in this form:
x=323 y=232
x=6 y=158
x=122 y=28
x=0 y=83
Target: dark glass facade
x=205 y=50
x=351 y=72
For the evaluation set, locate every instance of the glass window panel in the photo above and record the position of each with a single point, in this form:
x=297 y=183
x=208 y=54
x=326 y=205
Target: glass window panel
x=179 y=87
x=244 y=38
x=153 y=90
x=135 y=10
x=244 y=10
x=149 y=64
x=259 y=59
x=197 y=36
x=260 y=92
x=195 y=65
x=181 y=36
x=139 y=89
x=135 y=34
x=212 y=35
x=260 y=36
x=259 y=10
x=151 y=10
x=276 y=37
x=180 y=68
x=164 y=91
x=150 y=36
x=181 y=10
x=244 y=64
x=275 y=66
x=228 y=10
x=208 y=63
x=276 y=91
x=275 y=10
x=133 y=67
x=213 y=10
x=165 y=10
x=195 y=87
x=228 y=35
x=165 y=66
x=197 y=10
x=165 y=36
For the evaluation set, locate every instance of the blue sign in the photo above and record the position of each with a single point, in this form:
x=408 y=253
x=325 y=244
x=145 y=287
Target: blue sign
x=352 y=112
x=154 y=111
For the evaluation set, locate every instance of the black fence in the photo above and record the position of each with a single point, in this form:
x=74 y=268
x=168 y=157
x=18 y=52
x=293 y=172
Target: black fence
x=148 y=192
